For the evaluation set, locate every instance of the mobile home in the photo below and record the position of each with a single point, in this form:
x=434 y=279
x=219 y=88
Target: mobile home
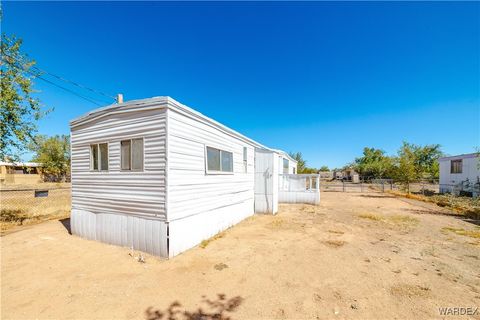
x=460 y=172
x=160 y=177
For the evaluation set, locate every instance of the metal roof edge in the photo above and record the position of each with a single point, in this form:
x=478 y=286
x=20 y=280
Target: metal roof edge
x=172 y=104
x=460 y=156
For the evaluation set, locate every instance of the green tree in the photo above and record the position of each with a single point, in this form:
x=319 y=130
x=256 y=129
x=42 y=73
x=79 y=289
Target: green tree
x=426 y=160
x=324 y=168
x=406 y=171
x=19 y=109
x=301 y=163
x=54 y=155
x=373 y=163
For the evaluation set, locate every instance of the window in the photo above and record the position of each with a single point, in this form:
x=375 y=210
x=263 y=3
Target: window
x=219 y=160
x=99 y=157
x=456 y=166
x=131 y=154
x=245 y=163
x=285 y=166
x=294 y=170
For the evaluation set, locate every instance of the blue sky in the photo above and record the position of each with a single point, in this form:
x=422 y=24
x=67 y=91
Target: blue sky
x=325 y=79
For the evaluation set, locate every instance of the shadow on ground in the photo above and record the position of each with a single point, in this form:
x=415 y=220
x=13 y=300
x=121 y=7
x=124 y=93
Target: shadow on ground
x=217 y=309
x=66 y=224
x=374 y=196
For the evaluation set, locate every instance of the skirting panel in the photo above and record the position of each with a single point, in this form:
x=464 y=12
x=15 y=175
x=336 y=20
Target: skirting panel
x=308 y=197
x=188 y=232
x=123 y=230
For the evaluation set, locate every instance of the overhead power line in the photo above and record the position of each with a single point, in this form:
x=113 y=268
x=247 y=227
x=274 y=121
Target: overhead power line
x=66 y=89
x=53 y=83
x=62 y=79
x=75 y=83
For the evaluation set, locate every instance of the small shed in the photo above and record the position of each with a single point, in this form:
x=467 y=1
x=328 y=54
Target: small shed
x=160 y=177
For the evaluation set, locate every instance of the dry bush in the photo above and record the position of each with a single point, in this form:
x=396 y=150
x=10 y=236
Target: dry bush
x=466 y=206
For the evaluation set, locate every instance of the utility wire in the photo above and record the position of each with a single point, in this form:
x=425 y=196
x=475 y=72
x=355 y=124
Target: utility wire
x=61 y=78
x=52 y=83
x=66 y=89
x=75 y=83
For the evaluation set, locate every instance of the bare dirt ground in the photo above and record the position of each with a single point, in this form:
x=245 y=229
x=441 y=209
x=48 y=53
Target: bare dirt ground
x=356 y=256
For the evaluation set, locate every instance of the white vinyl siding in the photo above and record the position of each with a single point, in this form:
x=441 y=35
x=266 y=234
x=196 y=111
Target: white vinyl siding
x=139 y=193
x=213 y=201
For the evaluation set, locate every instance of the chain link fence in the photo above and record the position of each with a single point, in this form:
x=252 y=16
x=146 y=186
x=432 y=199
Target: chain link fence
x=19 y=205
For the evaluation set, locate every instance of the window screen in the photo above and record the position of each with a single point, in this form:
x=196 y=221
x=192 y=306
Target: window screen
x=99 y=157
x=125 y=154
x=285 y=166
x=213 y=159
x=94 y=157
x=456 y=166
x=219 y=160
x=103 y=156
x=137 y=154
x=227 y=161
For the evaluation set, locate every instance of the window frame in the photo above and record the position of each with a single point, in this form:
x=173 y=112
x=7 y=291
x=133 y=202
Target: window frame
x=99 y=157
x=460 y=166
x=285 y=160
x=245 y=160
x=216 y=172
x=131 y=155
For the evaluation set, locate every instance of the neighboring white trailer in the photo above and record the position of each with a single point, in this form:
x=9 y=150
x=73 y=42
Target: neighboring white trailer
x=160 y=177
x=457 y=171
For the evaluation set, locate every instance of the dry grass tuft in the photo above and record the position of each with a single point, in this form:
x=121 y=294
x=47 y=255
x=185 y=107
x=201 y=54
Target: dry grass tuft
x=276 y=223
x=410 y=291
x=334 y=243
x=466 y=206
x=336 y=231
x=430 y=251
x=206 y=242
x=462 y=232
x=371 y=216
x=396 y=221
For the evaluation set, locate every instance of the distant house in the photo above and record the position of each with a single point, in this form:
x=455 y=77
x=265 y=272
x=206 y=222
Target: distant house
x=347 y=174
x=459 y=172
x=160 y=177
x=20 y=173
x=326 y=175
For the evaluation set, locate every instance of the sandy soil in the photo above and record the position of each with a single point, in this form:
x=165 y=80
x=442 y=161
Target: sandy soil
x=368 y=256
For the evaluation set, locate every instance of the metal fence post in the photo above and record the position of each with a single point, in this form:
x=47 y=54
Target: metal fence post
x=383 y=186
x=343 y=184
